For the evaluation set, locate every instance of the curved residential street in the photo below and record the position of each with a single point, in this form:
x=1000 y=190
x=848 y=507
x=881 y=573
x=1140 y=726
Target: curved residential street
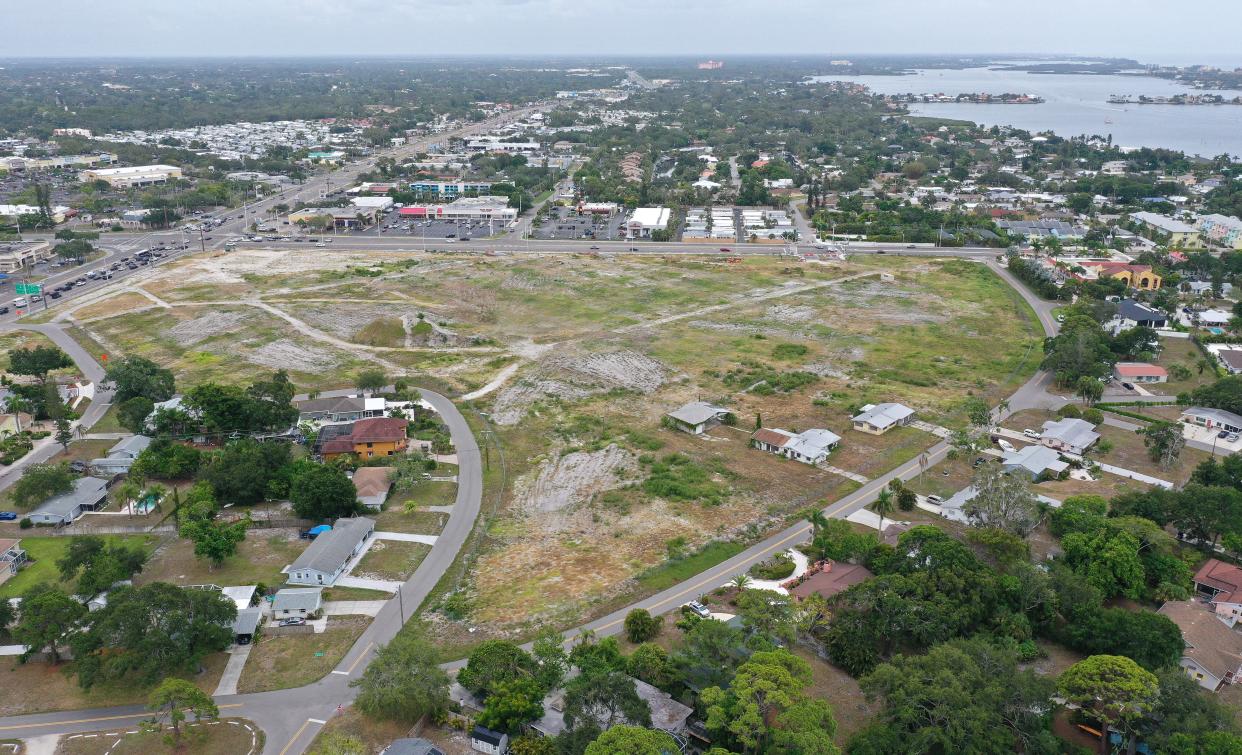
x=292 y=717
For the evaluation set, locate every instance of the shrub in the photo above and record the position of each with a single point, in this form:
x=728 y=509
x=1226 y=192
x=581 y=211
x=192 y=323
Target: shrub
x=641 y=626
x=779 y=566
x=25 y=523
x=679 y=478
x=1071 y=411
x=1093 y=415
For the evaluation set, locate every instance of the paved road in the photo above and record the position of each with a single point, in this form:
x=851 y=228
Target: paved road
x=90 y=369
x=291 y=718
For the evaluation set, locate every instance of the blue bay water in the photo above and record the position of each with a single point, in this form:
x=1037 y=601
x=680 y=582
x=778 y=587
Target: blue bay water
x=1075 y=105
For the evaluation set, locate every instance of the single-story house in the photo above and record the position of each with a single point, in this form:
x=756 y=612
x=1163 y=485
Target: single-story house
x=12 y=557
x=878 y=419
x=834 y=578
x=1215 y=317
x=1033 y=461
x=1213 y=654
x=1221 y=584
x=241 y=595
x=697 y=417
x=1232 y=359
x=954 y=509
x=373 y=484
x=297 y=602
x=1212 y=419
x=1140 y=372
x=87 y=494
x=328 y=555
x=246 y=624
x=808 y=446
x=487 y=741
x=1132 y=314
x=411 y=746
x=340 y=408
x=667 y=714
x=1070 y=435
x=121 y=456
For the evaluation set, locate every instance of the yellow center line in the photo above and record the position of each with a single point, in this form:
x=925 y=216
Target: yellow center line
x=296 y=734
x=92 y=720
x=830 y=511
x=358 y=660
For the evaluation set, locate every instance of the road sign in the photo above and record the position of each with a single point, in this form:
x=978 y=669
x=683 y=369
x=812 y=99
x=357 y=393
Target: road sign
x=27 y=288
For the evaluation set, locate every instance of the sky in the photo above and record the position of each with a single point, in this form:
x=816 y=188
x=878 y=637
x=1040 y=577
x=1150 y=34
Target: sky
x=1152 y=31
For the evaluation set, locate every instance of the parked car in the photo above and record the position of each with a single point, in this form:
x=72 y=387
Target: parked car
x=698 y=609
x=1128 y=386
x=935 y=500
x=1222 y=434
x=1028 y=432
x=292 y=621
x=77 y=466
x=1232 y=437
x=7 y=516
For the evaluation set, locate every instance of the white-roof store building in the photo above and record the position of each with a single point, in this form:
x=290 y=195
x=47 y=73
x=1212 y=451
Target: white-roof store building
x=644 y=220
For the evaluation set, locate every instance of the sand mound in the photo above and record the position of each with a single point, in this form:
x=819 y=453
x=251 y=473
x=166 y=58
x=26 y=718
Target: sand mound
x=572 y=479
x=290 y=355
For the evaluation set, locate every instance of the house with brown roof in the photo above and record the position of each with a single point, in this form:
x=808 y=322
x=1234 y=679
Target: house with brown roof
x=835 y=577
x=367 y=438
x=1213 y=655
x=1221 y=584
x=373 y=484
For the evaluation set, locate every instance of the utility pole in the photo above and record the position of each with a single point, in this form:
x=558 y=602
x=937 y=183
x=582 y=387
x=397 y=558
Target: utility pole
x=202 y=240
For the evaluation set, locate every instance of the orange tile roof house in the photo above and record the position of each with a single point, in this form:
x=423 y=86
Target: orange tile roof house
x=1140 y=372
x=1135 y=276
x=368 y=438
x=1221 y=583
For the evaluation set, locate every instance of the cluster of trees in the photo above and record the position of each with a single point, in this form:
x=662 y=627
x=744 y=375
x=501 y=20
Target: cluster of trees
x=932 y=589
x=1207 y=511
x=1083 y=349
x=141 y=635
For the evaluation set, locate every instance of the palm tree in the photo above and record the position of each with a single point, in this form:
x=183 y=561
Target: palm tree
x=883 y=506
x=817 y=521
x=1002 y=407
x=741 y=581
x=15 y=405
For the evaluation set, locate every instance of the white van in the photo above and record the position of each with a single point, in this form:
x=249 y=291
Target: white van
x=20 y=302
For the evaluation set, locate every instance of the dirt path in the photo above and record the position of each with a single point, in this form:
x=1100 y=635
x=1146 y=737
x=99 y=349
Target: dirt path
x=750 y=298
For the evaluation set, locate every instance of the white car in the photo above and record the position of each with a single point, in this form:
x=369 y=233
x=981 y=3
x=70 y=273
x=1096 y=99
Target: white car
x=1031 y=434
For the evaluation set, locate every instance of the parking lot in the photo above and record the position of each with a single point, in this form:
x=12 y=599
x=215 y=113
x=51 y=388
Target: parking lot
x=565 y=223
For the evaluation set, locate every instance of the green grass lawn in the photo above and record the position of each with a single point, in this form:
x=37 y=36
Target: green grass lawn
x=670 y=573
x=259 y=560
x=44 y=552
x=391 y=559
x=109 y=423
x=279 y=662
x=354 y=593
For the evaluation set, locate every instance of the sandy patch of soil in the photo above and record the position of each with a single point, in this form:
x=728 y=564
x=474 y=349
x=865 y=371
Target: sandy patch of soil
x=572 y=479
x=513 y=402
x=619 y=369
x=291 y=355
x=190 y=332
x=576 y=377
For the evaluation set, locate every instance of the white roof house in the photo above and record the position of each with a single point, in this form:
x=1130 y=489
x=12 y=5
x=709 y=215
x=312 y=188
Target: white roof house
x=644 y=220
x=879 y=418
x=297 y=601
x=1069 y=434
x=808 y=446
x=1033 y=461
